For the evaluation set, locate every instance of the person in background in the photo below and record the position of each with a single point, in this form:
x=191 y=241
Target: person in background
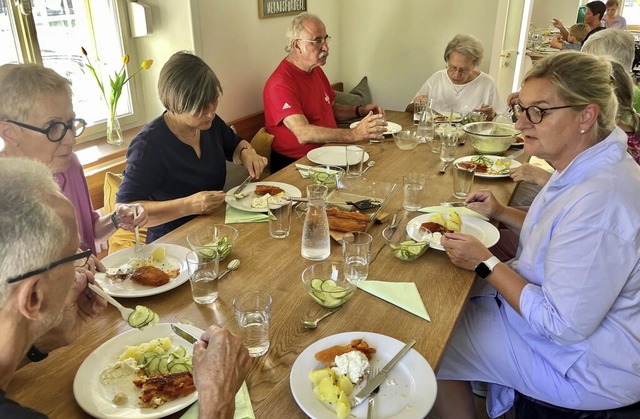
x=299 y=107
x=593 y=17
x=176 y=164
x=611 y=18
x=543 y=323
x=37 y=121
x=577 y=33
x=462 y=85
x=44 y=301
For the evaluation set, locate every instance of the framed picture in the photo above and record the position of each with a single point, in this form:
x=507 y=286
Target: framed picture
x=273 y=8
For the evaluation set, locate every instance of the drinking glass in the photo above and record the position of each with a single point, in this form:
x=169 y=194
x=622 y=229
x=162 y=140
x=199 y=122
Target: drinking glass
x=354 y=159
x=462 y=180
x=448 y=146
x=414 y=184
x=356 y=251
x=253 y=313
x=203 y=276
x=279 y=216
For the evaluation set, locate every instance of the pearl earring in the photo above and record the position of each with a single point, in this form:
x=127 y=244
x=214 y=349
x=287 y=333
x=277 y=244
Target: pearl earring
x=581 y=131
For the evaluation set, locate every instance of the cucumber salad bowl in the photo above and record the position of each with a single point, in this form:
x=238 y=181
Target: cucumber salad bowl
x=407 y=241
x=327 y=284
x=218 y=238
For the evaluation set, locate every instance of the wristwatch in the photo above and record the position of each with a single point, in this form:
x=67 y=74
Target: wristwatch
x=35 y=355
x=484 y=269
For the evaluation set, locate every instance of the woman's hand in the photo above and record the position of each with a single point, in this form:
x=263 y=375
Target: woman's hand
x=206 y=201
x=485 y=203
x=487 y=110
x=126 y=218
x=530 y=173
x=465 y=251
x=253 y=162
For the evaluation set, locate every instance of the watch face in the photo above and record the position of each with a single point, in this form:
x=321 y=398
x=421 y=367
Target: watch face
x=483 y=270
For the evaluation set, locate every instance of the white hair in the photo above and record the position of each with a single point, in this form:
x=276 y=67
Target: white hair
x=296 y=27
x=614 y=42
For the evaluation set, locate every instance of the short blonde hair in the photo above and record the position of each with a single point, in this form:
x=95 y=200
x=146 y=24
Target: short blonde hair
x=467 y=45
x=579 y=31
x=22 y=84
x=581 y=78
x=187 y=84
x=610 y=3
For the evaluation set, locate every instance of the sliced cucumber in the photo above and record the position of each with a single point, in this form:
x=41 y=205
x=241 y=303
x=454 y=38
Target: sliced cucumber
x=179 y=367
x=327 y=293
x=180 y=352
x=328 y=285
x=140 y=317
x=316 y=283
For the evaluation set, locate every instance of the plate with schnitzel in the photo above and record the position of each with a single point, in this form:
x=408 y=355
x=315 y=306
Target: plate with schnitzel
x=255 y=193
x=96 y=396
x=129 y=277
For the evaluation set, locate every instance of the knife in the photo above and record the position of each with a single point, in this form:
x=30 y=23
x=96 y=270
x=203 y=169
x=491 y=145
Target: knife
x=453 y=204
x=242 y=186
x=375 y=382
x=184 y=335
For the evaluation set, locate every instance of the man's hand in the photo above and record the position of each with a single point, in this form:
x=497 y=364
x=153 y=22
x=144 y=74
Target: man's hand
x=372 y=107
x=220 y=364
x=371 y=127
x=80 y=307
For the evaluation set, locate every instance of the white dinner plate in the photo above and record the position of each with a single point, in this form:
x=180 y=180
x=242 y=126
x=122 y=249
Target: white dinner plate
x=392 y=127
x=482 y=230
x=444 y=118
x=408 y=392
x=514 y=164
x=333 y=155
x=244 y=204
x=176 y=256
x=96 y=399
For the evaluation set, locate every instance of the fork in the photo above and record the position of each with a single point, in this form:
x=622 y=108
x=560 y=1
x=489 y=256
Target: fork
x=137 y=249
x=124 y=311
x=370 y=404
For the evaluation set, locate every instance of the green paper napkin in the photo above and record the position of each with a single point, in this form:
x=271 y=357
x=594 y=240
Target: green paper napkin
x=236 y=216
x=459 y=210
x=244 y=410
x=402 y=294
x=303 y=169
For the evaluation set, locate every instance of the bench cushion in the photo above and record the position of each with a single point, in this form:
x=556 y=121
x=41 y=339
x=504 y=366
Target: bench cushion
x=121 y=239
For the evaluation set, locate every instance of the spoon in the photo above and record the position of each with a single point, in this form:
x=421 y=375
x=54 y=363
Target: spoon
x=444 y=168
x=312 y=324
x=369 y=166
x=232 y=266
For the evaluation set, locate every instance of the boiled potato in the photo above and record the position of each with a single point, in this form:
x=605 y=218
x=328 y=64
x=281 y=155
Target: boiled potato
x=454 y=217
x=343 y=407
x=345 y=384
x=159 y=345
x=316 y=376
x=327 y=391
x=438 y=219
x=158 y=255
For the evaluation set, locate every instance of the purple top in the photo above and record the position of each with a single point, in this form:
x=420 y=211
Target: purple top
x=74 y=187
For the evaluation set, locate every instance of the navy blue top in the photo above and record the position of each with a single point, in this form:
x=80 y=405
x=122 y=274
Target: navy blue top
x=160 y=167
x=11 y=409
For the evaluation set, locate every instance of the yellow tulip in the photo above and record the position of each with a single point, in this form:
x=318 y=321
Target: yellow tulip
x=146 y=64
x=125 y=59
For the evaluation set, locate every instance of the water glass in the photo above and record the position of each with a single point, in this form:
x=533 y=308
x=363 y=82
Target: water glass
x=253 y=312
x=317 y=192
x=419 y=106
x=203 y=276
x=448 y=146
x=462 y=180
x=356 y=251
x=414 y=184
x=279 y=216
x=434 y=143
x=354 y=159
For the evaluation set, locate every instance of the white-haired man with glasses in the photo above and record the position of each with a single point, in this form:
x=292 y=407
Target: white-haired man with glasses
x=37 y=121
x=45 y=302
x=299 y=107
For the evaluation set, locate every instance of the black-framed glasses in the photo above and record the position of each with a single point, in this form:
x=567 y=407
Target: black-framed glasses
x=80 y=260
x=535 y=114
x=317 y=41
x=56 y=131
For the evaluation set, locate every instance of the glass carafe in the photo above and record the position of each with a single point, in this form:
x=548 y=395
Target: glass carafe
x=426 y=125
x=315 y=232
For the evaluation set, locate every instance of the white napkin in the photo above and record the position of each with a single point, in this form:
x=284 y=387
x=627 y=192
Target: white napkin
x=402 y=294
x=459 y=210
x=303 y=169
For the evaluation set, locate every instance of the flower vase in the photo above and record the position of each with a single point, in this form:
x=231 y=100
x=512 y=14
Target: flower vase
x=114 y=132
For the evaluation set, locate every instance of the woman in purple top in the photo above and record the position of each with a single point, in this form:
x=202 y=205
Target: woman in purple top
x=37 y=121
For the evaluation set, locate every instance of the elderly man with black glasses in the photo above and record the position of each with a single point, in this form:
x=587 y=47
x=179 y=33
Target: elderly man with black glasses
x=299 y=107
x=45 y=302
x=37 y=121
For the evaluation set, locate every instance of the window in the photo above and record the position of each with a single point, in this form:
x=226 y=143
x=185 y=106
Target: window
x=631 y=11
x=52 y=32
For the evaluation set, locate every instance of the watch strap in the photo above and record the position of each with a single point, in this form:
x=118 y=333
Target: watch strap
x=485 y=268
x=35 y=355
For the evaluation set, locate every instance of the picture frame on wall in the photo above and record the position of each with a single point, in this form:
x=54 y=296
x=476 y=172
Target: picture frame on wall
x=274 y=8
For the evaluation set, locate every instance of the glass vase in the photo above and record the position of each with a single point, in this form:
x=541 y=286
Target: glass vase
x=114 y=132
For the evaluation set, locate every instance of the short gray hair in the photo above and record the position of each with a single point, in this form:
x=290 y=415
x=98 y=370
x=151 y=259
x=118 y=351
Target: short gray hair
x=187 y=84
x=296 y=27
x=31 y=232
x=467 y=45
x=581 y=78
x=614 y=42
x=22 y=84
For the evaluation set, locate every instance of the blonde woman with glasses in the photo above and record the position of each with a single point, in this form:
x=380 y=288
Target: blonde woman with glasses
x=461 y=86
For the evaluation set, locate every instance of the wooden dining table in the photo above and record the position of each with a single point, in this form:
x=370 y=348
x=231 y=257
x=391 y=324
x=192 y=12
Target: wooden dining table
x=275 y=266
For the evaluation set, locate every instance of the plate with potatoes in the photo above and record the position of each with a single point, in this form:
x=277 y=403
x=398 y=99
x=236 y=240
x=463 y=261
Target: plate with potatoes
x=484 y=231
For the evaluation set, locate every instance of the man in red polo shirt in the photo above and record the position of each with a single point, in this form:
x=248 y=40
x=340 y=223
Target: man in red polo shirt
x=299 y=105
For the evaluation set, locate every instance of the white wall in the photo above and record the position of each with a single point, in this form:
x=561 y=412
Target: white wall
x=545 y=10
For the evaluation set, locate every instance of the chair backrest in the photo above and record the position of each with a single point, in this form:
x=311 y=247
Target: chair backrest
x=261 y=142
x=121 y=239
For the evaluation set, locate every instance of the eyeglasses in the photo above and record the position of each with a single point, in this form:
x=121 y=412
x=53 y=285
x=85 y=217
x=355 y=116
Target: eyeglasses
x=461 y=70
x=80 y=259
x=536 y=114
x=56 y=131
x=317 y=41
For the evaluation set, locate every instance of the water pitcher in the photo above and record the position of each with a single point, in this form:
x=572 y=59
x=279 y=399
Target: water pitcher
x=315 y=232
x=426 y=125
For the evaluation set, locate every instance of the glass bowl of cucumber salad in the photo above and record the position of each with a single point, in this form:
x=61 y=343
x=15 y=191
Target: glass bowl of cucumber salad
x=327 y=284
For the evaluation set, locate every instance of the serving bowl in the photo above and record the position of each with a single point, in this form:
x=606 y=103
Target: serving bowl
x=406 y=139
x=327 y=284
x=330 y=176
x=216 y=238
x=491 y=137
x=407 y=241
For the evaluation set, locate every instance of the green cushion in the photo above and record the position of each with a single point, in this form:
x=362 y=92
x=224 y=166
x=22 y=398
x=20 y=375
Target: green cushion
x=359 y=95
